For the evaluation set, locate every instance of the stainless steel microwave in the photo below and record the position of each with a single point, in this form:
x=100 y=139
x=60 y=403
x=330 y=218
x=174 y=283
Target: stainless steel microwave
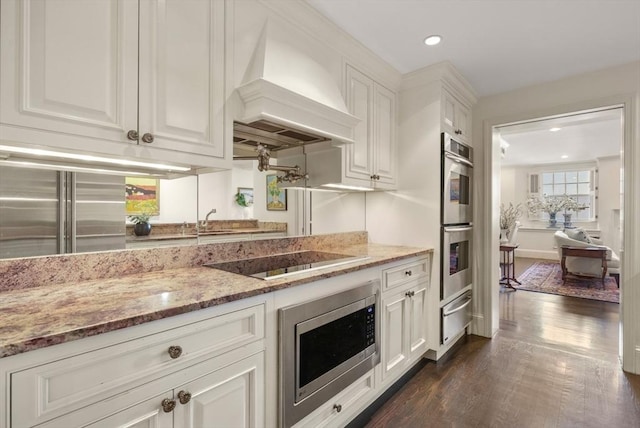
x=325 y=345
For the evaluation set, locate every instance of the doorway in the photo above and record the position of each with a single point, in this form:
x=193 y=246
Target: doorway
x=535 y=152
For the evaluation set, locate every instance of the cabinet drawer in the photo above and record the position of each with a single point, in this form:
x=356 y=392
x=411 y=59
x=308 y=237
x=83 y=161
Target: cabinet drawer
x=348 y=401
x=399 y=275
x=50 y=390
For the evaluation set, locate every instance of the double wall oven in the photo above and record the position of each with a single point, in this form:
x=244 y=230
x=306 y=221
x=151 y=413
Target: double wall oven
x=456 y=237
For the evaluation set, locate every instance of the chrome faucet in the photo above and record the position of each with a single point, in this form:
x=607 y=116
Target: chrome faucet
x=205 y=222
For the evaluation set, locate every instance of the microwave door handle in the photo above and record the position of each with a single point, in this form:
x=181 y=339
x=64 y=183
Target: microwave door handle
x=459 y=308
x=458 y=159
x=458 y=229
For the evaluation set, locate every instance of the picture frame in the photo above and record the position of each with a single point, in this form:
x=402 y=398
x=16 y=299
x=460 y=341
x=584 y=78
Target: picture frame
x=276 y=196
x=142 y=196
x=247 y=192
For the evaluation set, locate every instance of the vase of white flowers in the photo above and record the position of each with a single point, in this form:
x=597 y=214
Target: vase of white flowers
x=508 y=217
x=549 y=204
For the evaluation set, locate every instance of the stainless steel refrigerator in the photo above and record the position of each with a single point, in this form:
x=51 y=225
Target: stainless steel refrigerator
x=54 y=212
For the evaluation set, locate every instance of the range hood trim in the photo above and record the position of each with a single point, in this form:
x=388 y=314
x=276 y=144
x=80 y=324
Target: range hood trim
x=264 y=100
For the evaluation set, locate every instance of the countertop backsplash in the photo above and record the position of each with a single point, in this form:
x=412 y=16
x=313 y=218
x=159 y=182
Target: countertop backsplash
x=23 y=273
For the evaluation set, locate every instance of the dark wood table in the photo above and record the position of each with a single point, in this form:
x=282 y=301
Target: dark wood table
x=508 y=265
x=589 y=252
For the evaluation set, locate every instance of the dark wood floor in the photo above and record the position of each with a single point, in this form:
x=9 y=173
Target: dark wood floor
x=553 y=363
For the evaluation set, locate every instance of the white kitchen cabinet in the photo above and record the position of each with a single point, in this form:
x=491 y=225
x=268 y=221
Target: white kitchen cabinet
x=118 y=77
x=127 y=381
x=372 y=158
x=404 y=321
x=456 y=117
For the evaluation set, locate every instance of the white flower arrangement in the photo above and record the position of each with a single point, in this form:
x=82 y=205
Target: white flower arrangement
x=553 y=204
x=509 y=215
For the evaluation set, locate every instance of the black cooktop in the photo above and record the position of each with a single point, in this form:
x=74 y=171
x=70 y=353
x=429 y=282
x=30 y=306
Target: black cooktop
x=281 y=264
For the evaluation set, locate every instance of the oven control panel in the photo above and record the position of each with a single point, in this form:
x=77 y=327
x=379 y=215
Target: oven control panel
x=370 y=323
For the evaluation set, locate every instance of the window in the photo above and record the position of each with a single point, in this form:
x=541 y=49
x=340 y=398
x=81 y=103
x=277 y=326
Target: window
x=578 y=184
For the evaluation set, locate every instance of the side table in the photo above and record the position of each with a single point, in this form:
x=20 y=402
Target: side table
x=508 y=265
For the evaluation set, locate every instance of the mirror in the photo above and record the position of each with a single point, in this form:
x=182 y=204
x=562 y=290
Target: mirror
x=38 y=216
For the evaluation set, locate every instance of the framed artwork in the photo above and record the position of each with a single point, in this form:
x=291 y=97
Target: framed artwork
x=244 y=197
x=142 y=195
x=276 y=197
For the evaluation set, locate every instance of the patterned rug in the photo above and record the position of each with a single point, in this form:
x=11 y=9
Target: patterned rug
x=546 y=277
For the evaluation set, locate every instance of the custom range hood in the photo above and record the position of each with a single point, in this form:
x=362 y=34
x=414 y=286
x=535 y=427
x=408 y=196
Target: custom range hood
x=289 y=98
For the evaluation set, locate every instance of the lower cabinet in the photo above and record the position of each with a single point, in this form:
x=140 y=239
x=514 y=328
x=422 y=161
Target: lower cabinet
x=404 y=330
x=197 y=371
x=229 y=397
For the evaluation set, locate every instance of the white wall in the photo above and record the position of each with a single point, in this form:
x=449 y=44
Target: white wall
x=333 y=212
x=613 y=86
x=609 y=201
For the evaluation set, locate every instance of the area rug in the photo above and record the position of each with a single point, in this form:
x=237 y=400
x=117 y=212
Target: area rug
x=546 y=277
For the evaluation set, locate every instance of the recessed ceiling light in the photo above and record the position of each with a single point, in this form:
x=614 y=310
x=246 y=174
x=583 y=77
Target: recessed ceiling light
x=555 y=129
x=564 y=156
x=432 y=40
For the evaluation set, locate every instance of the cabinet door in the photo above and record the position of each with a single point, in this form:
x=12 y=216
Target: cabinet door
x=395 y=335
x=182 y=75
x=456 y=117
x=384 y=135
x=70 y=67
x=359 y=96
x=230 y=397
x=148 y=414
x=417 y=324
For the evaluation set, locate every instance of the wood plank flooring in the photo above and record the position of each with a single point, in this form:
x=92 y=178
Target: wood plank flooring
x=553 y=363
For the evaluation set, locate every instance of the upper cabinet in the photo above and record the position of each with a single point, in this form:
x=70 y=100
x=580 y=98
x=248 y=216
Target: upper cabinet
x=373 y=157
x=456 y=117
x=119 y=77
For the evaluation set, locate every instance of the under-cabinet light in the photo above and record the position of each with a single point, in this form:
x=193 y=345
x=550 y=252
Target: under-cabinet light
x=432 y=40
x=555 y=129
x=74 y=168
x=91 y=158
x=338 y=186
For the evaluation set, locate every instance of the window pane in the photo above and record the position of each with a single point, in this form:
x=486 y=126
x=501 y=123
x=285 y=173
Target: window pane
x=547 y=189
x=584 y=176
x=558 y=189
x=572 y=189
x=558 y=177
x=572 y=177
x=584 y=200
x=583 y=188
x=547 y=178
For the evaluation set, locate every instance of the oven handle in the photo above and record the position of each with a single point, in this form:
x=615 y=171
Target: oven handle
x=458 y=159
x=458 y=228
x=459 y=308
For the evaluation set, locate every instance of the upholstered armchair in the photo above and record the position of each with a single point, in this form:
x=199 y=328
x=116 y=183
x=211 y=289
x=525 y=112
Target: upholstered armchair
x=586 y=256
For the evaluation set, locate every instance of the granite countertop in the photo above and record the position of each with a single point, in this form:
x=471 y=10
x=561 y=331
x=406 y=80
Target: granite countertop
x=41 y=316
x=177 y=236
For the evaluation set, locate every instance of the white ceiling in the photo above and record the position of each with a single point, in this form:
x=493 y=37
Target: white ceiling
x=582 y=138
x=498 y=45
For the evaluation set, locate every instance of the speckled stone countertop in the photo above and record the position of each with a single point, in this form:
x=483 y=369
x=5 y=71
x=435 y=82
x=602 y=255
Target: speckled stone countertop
x=37 y=315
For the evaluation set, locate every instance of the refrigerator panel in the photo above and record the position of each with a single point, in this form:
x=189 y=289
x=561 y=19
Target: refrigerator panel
x=28 y=212
x=99 y=212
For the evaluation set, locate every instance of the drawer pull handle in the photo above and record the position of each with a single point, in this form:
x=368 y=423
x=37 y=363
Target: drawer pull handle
x=175 y=351
x=132 y=135
x=410 y=293
x=408 y=273
x=168 y=405
x=147 y=138
x=184 y=397
x=338 y=407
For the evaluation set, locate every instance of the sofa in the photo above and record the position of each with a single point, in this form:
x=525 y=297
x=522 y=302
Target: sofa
x=578 y=238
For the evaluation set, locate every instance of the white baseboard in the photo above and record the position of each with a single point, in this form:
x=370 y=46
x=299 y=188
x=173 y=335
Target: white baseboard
x=537 y=254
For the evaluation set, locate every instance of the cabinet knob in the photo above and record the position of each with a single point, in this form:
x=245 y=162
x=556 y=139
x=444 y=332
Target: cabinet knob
x=458 y=131
x=375 y=177
x=338 y=407
x=175 y=351
x=410 y=293
x=184 y=397
x=408 y=273
x=147 y=138
x=168 y=405
x=132 y=135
